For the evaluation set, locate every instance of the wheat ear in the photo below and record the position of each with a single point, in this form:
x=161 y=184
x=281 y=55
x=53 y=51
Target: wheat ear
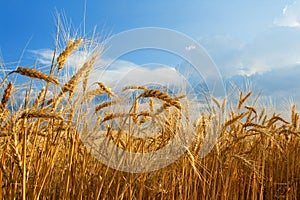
x=106 y=104
x=105 y=89
x=41 y=114
x=61 y=59
x=70 y=85
x=39 y=98
x=33 y=73
x=243 y=99
x=162 y=96
x=7 y=92
x=133 y=87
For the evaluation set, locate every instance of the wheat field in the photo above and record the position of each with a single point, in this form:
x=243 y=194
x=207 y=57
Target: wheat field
x=43 y=156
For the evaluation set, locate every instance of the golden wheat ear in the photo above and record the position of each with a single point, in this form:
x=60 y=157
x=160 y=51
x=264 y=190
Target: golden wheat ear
x=106 y=89
x=7 y=92
x=61 y=59
x=41 y=114
x=70 y=85
x=33 y=73
x=133 y=87
x=162 y=96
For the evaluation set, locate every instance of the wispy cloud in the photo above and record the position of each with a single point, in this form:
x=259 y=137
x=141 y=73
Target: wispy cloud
x=275 y=48
x=116 y=72
x=290 y=16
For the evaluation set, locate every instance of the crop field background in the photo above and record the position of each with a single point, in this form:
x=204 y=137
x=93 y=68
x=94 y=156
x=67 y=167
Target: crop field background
x=43 y=156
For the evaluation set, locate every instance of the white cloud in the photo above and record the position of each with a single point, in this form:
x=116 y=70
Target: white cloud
x=275 y=48
x=290 y=16
x=122 y=73
x=43 y=56
x=116 y=73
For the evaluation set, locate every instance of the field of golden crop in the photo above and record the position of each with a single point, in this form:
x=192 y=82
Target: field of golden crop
x=257 y=155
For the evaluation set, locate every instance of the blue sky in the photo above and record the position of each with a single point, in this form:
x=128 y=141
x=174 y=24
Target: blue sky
x=259 y=39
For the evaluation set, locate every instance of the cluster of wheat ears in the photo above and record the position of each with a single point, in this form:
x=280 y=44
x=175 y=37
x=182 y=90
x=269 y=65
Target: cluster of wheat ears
x=257 y=155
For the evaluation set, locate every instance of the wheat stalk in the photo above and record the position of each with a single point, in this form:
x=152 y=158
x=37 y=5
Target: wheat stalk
x=135 y=111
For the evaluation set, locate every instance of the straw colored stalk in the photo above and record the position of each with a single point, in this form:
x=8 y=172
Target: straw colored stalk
x=135 y=111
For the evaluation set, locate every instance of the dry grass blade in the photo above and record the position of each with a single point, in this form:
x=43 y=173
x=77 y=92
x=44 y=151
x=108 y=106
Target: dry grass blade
x=61 y=59
x=35 y=74
x=7 y=92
